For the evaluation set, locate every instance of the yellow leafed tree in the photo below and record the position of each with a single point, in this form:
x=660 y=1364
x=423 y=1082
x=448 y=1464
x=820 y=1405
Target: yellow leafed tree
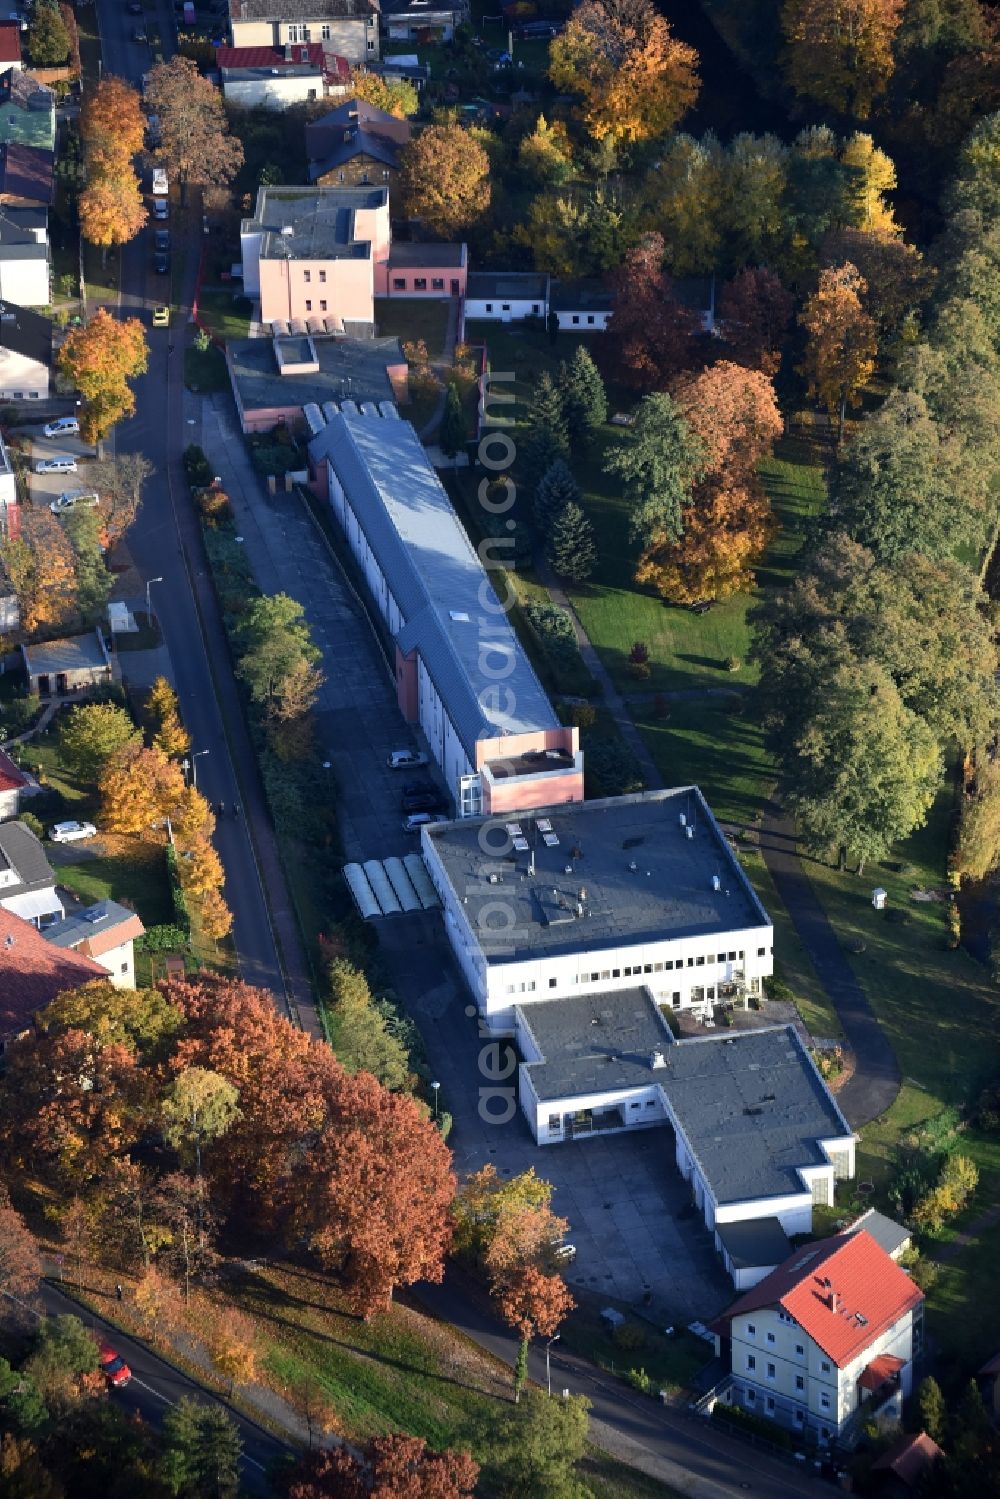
x=840 y=352
x=139 y=787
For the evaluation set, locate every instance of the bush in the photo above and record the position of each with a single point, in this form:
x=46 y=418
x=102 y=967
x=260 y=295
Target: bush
x=987 y=1115
x=610 y=769
x=182 y=916
x=445 y=1123
x=162 y=938
x=214 y=506
x=628 y=1336
x=733 y=663
x=953 y=928
x=639 y=1380
x=734 y=1415
x=34 y=823
x=197 y=469
x=553 y=628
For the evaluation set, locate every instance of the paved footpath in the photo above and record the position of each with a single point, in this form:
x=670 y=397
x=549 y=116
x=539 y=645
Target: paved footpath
x=875 y=1082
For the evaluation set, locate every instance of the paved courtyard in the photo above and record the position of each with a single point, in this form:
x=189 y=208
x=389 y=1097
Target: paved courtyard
x=629 y=1212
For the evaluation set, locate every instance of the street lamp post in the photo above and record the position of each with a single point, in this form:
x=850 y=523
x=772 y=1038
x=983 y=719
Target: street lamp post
x=436 y=1089
x=194 y=766
x=548 y=1368
x=149 y=584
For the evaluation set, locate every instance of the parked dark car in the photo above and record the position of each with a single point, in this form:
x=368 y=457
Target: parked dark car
x=162 y=240
x=161 y=262
x=422 y=801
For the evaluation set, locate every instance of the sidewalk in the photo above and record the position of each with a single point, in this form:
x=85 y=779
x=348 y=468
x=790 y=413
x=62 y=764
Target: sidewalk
x=875 y=1082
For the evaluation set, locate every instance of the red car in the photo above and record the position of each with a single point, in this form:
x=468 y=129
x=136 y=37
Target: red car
x=114 y=1368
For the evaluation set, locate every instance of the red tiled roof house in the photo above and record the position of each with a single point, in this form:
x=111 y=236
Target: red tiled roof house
x=833 y=1329
x=33 y=972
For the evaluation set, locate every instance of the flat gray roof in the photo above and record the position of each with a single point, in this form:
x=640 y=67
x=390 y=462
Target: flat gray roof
x=752 y=1108
x=97 y=919
x=74 y=653
x=352 y=368
x=643 y=879
x=887 y=1233
x=754 y=1243
x=515 y=286
x=321 y=220
x=594 y=1042
x=436 y=578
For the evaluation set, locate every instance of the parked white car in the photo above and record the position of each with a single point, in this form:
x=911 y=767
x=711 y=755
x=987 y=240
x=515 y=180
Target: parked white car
x=72 y=832
x=64 y=464
x=70 y=498
x=418 y=820
x=160 y=185
x=63 y=426
x=406 y=760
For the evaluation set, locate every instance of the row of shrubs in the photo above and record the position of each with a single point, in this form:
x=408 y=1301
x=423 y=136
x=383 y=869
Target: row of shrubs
x=552 y=627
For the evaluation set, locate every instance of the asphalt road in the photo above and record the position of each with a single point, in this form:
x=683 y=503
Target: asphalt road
x=166 y=545
x=155 y=1386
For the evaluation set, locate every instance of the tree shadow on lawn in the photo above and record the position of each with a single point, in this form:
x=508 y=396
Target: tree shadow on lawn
x=267 y=1300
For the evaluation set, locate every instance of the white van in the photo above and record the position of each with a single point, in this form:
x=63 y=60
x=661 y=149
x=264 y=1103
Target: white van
x=63 y=426
x=61 y=465
x=160 y=185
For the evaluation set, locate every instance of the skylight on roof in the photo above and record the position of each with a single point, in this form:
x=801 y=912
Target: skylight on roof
x=459 y=615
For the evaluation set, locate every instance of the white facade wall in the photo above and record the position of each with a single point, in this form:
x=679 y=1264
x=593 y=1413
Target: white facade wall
x=120 y=963
x=584 y=322
x=440 y=733
x=9 y=804
x=40 y=907
x=806 y=1387
x=250 y=258
x=548 y=1118
x=355 y=38
x=276 y=92
x=25 y=282
x=22 y=379
x=499 y=311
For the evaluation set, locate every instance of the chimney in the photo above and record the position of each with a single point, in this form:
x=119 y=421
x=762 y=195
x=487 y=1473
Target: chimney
x=657 y=1060
x=834 y=1301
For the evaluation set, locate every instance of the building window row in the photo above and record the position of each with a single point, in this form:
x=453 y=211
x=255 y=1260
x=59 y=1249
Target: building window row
x=526 y=988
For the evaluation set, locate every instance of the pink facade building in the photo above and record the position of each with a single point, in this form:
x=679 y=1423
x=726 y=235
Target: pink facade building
x=319 y=256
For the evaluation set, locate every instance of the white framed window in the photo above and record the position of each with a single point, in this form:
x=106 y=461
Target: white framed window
x=751 y=1361
x=751 y=1329
x=770 y=1338
x=824 y=1365
x=772 y=1372
x=324 y=32
x=800 y=1383
x=800 y=1349
x=824 y=1401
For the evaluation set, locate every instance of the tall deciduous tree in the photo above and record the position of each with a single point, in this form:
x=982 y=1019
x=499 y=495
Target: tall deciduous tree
x=839 y=52
x=872 y=176
x=119 y=482
x=397 y=96
x=359 y=1032
x=444 y=175
x=840 y=352
x=93 y=579
x=195 y=142
x=46 y=577
x=139 y=787
x=755 y=310
x=163 y=708
x=20 y=1262
x=100 y=359
x=545 y=156
x=112 y=126
x=48 y=41
x=111 y=208
x=635 y=78
x=577 y=231
x=978 y=852
x=394 y=1466
x=649 y=333
x=753 y=210
x=657 y=464
x=896 y=278
x=685 y=194
x=198 y=1107
x=541 y=1443
x=484 y=1198
x=91 y=733
x=277 y=645
x=977 y=181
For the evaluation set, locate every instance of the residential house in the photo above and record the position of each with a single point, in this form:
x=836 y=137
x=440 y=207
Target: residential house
x=27 y=111
x=428 y=585
x=25 y=352
x=33 y=973
x=318 y=257
x=15 y=785
x=584 y=305
x=27 y=881
x=24 y=256
x=827 y=1340
x=57 y=667
x=276 y=77
x=357 y=145
x=104 y=933
x=10 y=46
x=422 y=21
x=903 y=1467
x=348 y=28
x=26 y=176
x=506 y=296
x=274 y=379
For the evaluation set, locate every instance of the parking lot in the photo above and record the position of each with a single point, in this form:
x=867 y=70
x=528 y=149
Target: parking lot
x=630 y=1214
x=44 y=488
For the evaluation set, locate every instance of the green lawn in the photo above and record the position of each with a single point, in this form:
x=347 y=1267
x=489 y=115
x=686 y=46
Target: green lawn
x=225 y=312
x=717 y=744
x=792 y=964
x=135 y=876
x=671 y=1363
x=410 y=319
x=400 y=1371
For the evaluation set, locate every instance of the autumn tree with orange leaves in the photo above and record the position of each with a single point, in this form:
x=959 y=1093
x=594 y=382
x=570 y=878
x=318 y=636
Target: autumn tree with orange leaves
x=394 y=1466
x=839 y=52
x=111 y=128
x=530 y=1295
x=636 y=80
x=139 y=788
x=755 y=310
x=41 y=566
x=100 y=359
x=840 y=352
x=727 y=522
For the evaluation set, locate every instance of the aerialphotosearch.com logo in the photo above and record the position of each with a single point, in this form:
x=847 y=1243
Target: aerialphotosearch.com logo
x=496 y=918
